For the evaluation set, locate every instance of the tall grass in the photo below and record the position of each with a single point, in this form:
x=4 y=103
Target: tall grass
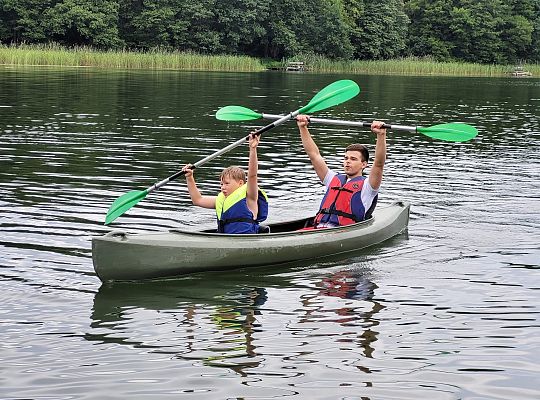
x=411 y=66
x=54 y=55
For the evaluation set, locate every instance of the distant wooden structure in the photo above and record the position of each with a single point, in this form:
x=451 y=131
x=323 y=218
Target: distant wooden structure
x=292 y=66
x=298 y=66
x=518 y=72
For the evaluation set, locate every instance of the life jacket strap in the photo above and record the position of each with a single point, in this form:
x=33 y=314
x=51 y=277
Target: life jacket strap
x=338 y=213
x=223 y=222
x=342 y=189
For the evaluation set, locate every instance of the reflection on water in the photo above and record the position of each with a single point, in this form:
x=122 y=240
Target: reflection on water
x=222 y=324
x=211 y=324
x=448 y=311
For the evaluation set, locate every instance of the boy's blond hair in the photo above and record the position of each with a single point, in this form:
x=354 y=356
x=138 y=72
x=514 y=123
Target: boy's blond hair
x=236 y=173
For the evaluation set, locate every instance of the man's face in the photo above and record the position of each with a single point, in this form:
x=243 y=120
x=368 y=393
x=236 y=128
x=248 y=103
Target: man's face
x=353 y=164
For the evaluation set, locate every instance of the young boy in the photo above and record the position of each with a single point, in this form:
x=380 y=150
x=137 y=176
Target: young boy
x=241 y=205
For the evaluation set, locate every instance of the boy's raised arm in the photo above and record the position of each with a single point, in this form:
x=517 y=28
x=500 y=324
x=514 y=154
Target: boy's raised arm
x=253 y=169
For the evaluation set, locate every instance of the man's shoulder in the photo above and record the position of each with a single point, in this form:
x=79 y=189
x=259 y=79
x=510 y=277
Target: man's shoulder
x=368 y=188
x=329 y=176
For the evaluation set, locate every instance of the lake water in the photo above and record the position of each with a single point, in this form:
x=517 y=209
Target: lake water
x=449 y=310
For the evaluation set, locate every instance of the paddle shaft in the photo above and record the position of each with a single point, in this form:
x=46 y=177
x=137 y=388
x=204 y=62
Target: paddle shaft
x=361 y=124
x=280 y=119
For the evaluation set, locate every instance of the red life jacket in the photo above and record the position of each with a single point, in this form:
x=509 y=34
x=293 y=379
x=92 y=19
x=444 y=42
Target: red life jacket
x=342 y=203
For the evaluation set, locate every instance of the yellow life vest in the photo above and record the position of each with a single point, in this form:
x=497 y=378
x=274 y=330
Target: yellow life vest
x=233 y=214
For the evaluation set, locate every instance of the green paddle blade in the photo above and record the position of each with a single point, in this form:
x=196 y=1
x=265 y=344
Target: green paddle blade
x=332 y=95
x=453 y=132
x=236 y=113
x=124 y=203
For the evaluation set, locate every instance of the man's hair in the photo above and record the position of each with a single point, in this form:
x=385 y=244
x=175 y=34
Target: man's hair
x=236 y=173
x=361 y=148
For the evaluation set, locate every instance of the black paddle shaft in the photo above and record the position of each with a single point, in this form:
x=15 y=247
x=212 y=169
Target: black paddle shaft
x=348 y=123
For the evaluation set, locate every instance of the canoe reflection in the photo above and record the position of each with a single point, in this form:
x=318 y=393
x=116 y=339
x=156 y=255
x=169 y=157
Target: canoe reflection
x=217 y=319
x=211 y=321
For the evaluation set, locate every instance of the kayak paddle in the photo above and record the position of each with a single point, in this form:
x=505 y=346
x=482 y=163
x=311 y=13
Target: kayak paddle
x=332 y=95
x=452 y=132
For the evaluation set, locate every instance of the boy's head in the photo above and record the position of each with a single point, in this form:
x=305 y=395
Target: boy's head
x=231 y=179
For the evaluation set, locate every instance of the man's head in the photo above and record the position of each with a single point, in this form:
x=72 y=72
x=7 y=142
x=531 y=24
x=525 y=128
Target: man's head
x=356 y=159
x=231 y=179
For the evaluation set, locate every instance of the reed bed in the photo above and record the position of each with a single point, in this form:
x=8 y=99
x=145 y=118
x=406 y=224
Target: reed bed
x=413 y=66
x=53 y=55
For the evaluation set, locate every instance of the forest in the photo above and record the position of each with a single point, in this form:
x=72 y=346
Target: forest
x=477 y=31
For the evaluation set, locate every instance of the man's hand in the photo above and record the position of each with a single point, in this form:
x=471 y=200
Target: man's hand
x=376 y=128
x=302 y=121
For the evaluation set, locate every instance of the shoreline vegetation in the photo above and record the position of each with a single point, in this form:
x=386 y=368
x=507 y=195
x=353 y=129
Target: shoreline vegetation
x=58 y=56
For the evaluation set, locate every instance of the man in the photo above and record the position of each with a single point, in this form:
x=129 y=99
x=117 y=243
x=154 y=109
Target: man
x=350 y=197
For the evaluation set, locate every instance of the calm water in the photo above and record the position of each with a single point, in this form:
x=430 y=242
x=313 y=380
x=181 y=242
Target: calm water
x=449 y=310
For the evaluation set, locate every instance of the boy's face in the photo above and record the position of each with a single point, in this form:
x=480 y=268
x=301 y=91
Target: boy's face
x=229 y=185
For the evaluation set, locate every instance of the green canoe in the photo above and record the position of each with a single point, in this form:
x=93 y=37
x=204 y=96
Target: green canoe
x=120 y=256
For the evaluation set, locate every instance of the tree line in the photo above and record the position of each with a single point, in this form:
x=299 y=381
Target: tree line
x=481 y=31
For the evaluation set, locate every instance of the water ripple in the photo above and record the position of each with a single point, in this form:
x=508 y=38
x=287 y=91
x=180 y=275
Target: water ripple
x=447 y=310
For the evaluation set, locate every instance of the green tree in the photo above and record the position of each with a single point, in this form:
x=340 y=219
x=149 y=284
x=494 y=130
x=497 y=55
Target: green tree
x=287 y=18
x=475 y=27
x=23 y=20
x=516 y=37
x=382 y=30
x=241 y=24
x=519 y=27
x=84 y=22
x=535 y=36
x=312 y=26
x=330 y=34
x=486 y=31
x=353 y=18
x=492 y=31
x=169 y=24
x=204 y=26
x=429 y=31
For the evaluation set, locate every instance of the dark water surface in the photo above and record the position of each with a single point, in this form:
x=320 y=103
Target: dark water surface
x=449 y=310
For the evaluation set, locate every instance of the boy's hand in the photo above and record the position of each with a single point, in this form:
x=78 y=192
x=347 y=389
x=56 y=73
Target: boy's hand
x=254 y=140
x=188 y=169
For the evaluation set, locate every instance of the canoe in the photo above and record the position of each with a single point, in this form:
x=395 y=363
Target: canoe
x=119 y=256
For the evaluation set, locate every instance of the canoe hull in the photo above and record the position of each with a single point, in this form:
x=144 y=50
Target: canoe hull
x=119 y=257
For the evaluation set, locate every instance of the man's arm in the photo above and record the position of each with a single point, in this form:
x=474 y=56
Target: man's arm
x=311 y=148
x=376 y=173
